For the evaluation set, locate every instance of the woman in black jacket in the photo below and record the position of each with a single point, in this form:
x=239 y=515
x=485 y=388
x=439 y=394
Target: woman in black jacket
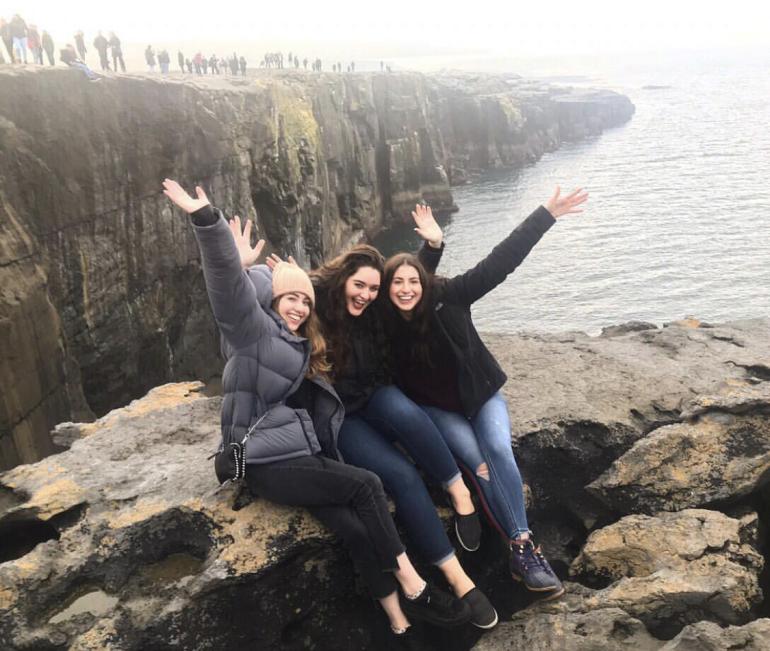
x=442 y=364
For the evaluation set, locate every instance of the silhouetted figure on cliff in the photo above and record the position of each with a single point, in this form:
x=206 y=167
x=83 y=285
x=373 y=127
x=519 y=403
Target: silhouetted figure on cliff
x=242 y=62
x=19 y=36
x=198 y=63
x=34 y=44
x=164 y=60
x=205 y=65
x=149 y=57
x=116 y=49
x=48 y=47
x=101 y=44
x=80 y=43
x=69 y=57
x=234 y=64
x=382 y=66
x=189 y=65
x=5 y=34
x=180 y=60
x=304 y=63
x=214 y=64
x=223 y=65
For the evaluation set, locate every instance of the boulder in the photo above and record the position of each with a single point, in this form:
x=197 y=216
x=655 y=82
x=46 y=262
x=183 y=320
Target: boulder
x=707 y=636
x=674 y=568
x=125 y=541
x=720 y=456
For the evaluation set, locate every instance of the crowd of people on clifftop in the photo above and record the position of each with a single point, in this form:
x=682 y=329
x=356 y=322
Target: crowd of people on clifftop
x=26 y=43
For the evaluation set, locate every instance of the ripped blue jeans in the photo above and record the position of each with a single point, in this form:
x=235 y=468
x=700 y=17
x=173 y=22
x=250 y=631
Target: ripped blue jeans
x=486 y=439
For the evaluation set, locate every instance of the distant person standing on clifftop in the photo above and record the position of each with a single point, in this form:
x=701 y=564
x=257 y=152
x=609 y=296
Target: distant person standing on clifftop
x=80 y=43
x=101 y=44
x=19 y=35
x=180 y=60
x=48 y=47
x=149 y=57
x=242 y=62
x=214 y=65
x=164 y=60
x=5 y=34
x=116 y=50
x=34 y=44
x=281 y=417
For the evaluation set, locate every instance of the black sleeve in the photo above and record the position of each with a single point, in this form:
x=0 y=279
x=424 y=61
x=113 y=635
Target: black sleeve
x=205 y=216
x=469 y=287
x=430 y=257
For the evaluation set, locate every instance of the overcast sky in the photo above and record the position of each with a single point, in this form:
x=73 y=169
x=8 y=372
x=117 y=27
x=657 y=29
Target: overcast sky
x=392 y=28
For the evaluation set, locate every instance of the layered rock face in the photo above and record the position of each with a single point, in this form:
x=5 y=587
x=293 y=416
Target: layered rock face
x=124 y=541
x=102 y=296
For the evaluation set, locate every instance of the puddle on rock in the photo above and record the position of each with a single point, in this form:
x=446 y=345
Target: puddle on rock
x=96 y=602
x=169 y=570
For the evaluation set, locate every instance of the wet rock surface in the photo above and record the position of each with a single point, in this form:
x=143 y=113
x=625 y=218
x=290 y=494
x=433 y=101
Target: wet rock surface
x=102 y=293
x=123 y=541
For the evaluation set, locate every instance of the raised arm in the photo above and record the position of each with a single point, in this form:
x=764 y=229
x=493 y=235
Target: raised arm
x=433 y=238
x=232 y=294
x=511 y=252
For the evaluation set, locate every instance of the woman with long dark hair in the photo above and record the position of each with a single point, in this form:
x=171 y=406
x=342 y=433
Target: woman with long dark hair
x=282 y=418
x=381 y=422
x=442 y=365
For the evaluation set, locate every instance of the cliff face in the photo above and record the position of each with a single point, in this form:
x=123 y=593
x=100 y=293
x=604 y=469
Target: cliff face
x=102 y=296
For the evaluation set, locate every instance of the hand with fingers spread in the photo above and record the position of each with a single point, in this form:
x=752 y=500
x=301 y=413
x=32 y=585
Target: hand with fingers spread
x=426 y=226
x=559 y=206
x=248 y=254
x=274 y=259
x=179 y=196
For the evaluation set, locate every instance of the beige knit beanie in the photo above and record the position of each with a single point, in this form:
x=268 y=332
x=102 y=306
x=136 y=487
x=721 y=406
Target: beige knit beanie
x=289 y=277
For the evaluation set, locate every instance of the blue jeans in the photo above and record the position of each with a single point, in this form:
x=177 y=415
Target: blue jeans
x=367 y=439
x=486 y=438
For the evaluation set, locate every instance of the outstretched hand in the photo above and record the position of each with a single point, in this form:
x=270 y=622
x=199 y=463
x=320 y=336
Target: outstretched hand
x=559 y=206
x=177 y=194
x=273 y=259
x=426 y=225
x=248 y=254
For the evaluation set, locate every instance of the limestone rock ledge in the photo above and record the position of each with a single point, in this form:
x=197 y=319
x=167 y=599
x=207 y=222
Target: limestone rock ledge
x=102 y=297
x=123 y=541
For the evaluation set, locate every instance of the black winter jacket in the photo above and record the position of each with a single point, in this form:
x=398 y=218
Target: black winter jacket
x=480 y=376
x=368 y=366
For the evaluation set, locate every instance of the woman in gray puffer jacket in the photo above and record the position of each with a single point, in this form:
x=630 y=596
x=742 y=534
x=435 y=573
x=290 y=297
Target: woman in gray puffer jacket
x=279 y=405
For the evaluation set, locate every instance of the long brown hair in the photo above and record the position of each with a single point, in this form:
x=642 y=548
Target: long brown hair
x=311 y=330
x=329 y=281
x=420 y=323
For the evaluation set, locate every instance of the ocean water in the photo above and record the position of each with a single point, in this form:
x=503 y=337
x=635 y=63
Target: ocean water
x=678 y=219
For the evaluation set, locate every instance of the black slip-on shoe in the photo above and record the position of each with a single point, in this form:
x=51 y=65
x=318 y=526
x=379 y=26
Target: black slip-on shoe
x=483 y=613
x=468 y=530
x=437 y=607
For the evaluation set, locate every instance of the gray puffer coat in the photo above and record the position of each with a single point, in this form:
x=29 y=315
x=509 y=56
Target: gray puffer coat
x=265 y=362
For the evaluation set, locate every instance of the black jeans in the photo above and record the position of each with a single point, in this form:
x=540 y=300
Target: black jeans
x=349 y=501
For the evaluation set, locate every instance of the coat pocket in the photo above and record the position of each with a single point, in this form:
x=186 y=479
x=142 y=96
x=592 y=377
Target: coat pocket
x=284 y=433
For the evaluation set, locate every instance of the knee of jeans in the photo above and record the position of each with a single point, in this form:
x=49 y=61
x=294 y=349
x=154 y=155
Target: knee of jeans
x=405 y=481
x=373 y=482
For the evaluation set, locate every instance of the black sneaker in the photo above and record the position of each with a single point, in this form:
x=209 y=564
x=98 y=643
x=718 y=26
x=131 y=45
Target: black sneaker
x=437 y=607
x=468 y=530
x=483 y=613
x=406 y=641
x=528 y=564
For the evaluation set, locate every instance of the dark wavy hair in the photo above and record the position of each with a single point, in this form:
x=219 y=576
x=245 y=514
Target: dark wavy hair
x=419 y=344
x=329 y=282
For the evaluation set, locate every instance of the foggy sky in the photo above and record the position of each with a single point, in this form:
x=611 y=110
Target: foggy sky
x=392 y=28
